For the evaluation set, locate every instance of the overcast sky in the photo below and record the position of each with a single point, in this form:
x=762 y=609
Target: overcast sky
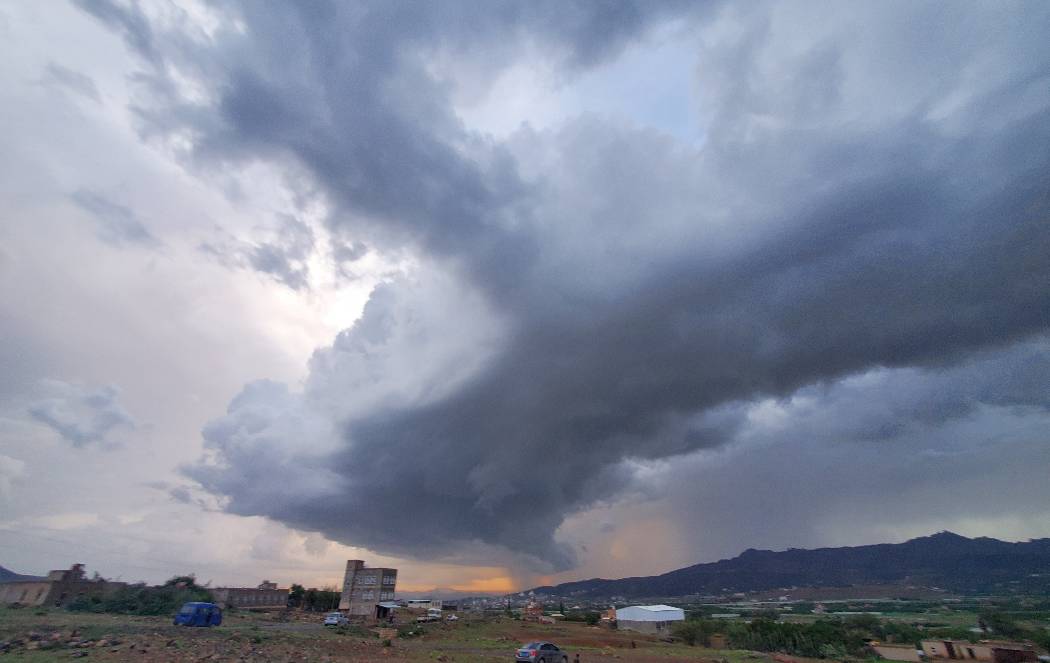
x=515 y=292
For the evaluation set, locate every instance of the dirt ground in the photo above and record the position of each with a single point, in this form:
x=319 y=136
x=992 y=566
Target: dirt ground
x=31 y=635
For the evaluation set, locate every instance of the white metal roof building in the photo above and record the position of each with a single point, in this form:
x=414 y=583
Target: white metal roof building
x=650 y=613
x=648 y=618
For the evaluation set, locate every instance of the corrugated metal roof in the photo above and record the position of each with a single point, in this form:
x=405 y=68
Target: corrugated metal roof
x=655 y=608
x=650 y=613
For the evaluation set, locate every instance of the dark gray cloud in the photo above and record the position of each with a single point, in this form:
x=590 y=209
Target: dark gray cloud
x=115 y=224
x=598 y=292
x=285 y=258
x=82 y=415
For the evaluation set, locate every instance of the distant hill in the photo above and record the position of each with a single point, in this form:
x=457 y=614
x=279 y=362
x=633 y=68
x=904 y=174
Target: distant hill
x=446 y=594
x=946 y=560
x=7 y=575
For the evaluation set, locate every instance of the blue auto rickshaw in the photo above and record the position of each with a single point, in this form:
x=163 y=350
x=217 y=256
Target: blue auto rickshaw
x=197 y=613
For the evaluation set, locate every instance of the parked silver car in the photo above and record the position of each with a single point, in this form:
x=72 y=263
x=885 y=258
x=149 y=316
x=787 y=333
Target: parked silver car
x=336 y=619
x=541 y=652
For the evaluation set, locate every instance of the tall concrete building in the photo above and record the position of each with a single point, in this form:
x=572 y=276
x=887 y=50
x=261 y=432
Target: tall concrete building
x=364 y=588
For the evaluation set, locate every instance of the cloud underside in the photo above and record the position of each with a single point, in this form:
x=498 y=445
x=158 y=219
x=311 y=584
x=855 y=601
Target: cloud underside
x=599 y=294
x=81 y=415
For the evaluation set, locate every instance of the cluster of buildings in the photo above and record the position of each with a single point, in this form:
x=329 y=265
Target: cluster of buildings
x=367 y=592
x=62 y=587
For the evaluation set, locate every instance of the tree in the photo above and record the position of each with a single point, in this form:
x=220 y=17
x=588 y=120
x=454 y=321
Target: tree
x=295 y=596
x=187 y=581
x=332 y=597
x=561 y=607
x=1000 y=624
x=694 y=631
x=142 y=600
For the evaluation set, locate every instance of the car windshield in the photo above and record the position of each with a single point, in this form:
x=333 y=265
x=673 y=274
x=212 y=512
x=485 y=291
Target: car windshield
x=531 y=645
x=334 y=614
x=187 y=609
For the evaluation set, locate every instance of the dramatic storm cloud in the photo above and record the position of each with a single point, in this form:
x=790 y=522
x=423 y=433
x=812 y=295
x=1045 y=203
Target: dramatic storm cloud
x=840 y=255
x=607 y=288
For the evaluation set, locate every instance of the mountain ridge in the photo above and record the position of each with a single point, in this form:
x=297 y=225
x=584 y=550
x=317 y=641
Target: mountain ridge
x=944 y=560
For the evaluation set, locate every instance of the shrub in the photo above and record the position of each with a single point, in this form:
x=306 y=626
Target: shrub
x=141 y=600
x=85 y=604
x=694 y=631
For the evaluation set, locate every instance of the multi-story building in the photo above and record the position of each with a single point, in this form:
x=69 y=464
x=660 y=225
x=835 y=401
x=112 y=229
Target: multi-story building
x=364 y=588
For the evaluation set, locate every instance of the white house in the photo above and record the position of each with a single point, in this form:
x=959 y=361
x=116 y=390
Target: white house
x=648 y=618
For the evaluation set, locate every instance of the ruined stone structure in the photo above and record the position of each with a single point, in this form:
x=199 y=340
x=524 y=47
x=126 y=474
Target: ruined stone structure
x=996 y=651
x=58 y=588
